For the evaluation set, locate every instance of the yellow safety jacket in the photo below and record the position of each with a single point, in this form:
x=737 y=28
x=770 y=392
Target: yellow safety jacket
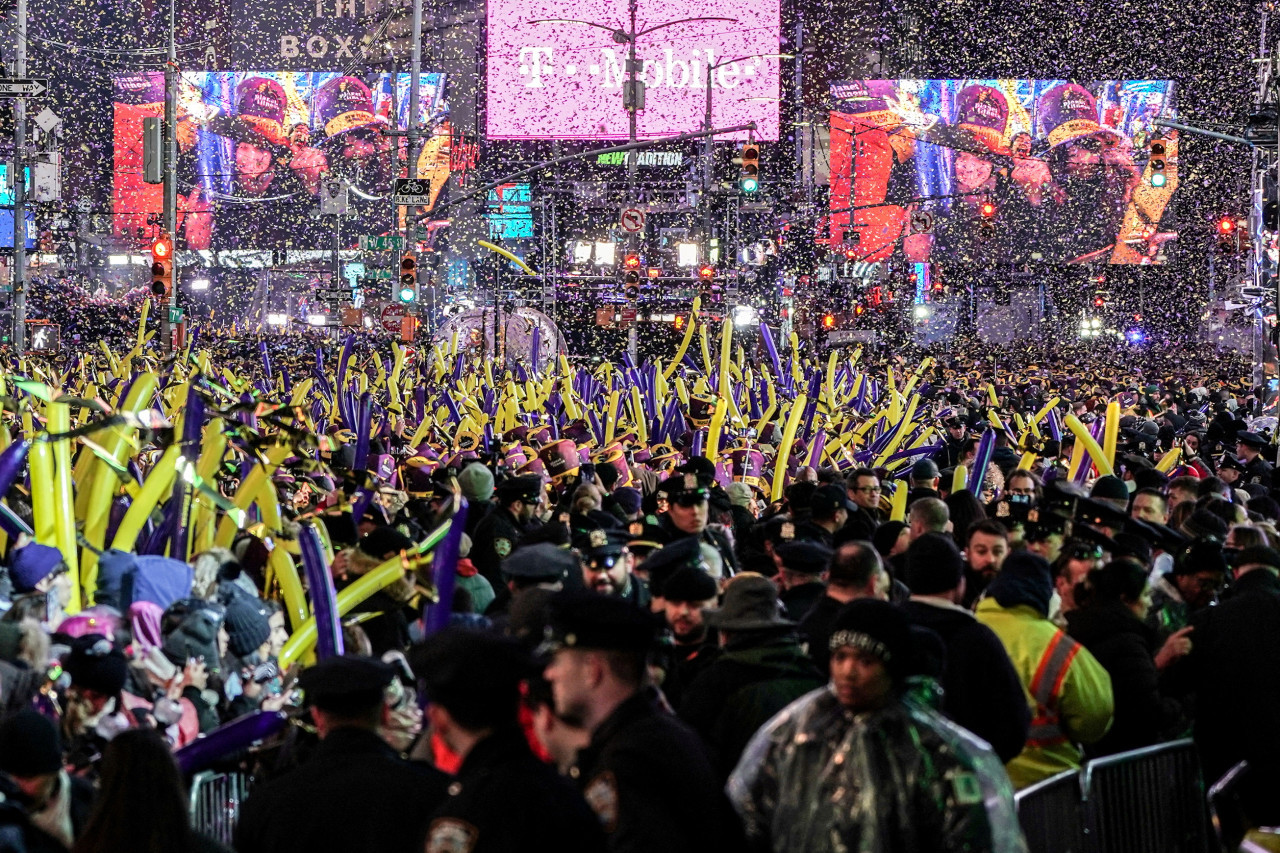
x=1068 y=691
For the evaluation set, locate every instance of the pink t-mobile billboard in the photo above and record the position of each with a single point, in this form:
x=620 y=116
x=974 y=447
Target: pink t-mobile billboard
x=562 y=80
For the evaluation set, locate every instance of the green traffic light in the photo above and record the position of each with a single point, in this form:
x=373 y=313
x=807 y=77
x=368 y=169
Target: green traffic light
x=1157 y=179
x=406 y=294
x=749 y=184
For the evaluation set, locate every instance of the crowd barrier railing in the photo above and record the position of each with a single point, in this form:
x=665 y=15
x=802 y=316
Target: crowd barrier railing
x=215 y=802
x=1149 y=800
x=1052 y=814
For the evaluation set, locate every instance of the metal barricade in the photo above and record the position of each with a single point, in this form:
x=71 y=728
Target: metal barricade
x=215 y=802
x=1052 y=814
x=1148 y=800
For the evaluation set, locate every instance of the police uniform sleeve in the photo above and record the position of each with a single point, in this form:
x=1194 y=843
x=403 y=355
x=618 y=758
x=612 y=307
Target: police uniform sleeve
x=1086 y=704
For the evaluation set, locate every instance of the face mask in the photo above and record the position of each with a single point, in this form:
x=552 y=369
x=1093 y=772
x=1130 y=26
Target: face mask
x=1131 y=485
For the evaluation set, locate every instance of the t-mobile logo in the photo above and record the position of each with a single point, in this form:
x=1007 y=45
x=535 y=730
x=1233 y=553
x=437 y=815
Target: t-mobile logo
x=670 y=71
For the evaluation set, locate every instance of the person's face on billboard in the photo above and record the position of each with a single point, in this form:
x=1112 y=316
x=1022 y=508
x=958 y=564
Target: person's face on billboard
x=300 y=135
x=1084 y=157
x=253 y=168
x=972 y=172
x=1022 y=145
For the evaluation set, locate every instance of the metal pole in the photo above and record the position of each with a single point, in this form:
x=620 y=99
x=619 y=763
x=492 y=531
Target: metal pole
x=18 y=179
x=415 y=127
x=170 y=209
x=708 y=147
x=632 y=159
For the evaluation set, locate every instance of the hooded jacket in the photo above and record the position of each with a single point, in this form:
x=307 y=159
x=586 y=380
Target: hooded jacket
x=1125 y=646
x=1075 y=704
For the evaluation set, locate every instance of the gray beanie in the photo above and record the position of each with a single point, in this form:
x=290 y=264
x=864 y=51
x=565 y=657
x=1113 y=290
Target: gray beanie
x=476 y=482
x=739 y=494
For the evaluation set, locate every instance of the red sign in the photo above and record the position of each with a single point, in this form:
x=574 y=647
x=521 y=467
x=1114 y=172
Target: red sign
x=392 y=317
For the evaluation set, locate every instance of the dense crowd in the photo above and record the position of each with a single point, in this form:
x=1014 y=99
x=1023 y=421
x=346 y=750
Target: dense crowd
x=787 y=604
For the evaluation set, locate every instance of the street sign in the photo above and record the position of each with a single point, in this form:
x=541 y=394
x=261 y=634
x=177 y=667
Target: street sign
x=415 y=191
x=378 y=275
x=14 y=88
x=393 y=318
x=632 y=220
x=175 y=314
x=921 y=222
x=375 y=244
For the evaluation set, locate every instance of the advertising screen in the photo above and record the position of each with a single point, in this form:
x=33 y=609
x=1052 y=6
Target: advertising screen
x=556 y=70
x=510 y=213
x=6 y=228
x=1002 y=171
x=256 y=148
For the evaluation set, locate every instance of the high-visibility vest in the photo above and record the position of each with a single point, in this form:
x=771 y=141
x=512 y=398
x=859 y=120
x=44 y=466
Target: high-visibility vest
x=1046 y=687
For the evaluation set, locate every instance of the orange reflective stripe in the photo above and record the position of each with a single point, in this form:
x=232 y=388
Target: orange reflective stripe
x=1052 y=669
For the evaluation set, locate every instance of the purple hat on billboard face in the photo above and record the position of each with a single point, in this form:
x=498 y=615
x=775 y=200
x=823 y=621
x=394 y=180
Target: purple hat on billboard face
x=1068 y=112
x=984 y=111
x=260 y=102
x=344 y=104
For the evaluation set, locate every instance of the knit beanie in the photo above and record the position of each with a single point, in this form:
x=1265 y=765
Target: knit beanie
x=29 y=745
x=476 y=482
x=94 y=664
x=934 y=564
x=248 y=625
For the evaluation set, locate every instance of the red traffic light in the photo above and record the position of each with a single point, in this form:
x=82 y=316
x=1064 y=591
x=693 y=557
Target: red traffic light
x=988 y=210
x=850 y=254
x=654 y=272
x=828 y=321
x=706 y=271
x=162 y=248
x=1099 y=302
x=631 y=262
x=679 y=322
x=1226 y=225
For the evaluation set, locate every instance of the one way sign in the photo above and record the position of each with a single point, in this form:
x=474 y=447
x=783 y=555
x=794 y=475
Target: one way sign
x=14 y=88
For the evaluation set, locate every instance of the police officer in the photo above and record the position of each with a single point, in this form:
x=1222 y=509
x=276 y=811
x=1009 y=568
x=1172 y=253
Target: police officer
x=540 y=567
x=502 y=529
x=382 y=797
x=644 y=773
x=686 y=495
x=503 y=798
x=607 y=564
x=1249 y=447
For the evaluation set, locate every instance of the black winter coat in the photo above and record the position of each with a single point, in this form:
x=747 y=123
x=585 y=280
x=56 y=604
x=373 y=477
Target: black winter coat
x=981 y=690
x=742 y=690
x=355 y=794
x=1235 y=653
x=505 y=799
x=1126 y=647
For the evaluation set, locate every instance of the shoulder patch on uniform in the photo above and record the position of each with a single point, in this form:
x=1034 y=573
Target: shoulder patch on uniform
x=602 y=795
x=502 y=547
x=450 y=835
x=967 y=790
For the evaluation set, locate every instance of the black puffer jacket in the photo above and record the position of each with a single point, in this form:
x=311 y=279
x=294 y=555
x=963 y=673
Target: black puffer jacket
x=1126 y=647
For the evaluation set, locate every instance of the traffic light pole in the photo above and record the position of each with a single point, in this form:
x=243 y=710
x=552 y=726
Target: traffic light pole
x=19 y=184
x=415 y=142
x=170 y=209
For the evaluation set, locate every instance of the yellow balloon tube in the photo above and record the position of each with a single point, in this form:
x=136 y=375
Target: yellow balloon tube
x=1077 y=459
x=960 y=479
x=688 y=339
x=1169 y=461
x=898 y=503
x=285 y=572
x=64 y=521
x=158 y=483
x=248 y=492
x=784 y=449
x=1111 y=433
x=1095 y=452
x=103 y=482
x=303 y=639
x=712 y=451
x=43 y=501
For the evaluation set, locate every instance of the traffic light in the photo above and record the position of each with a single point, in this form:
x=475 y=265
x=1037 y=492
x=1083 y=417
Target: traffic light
x=631 y=261
x=749 y=177
x=1226 y=225
x=987 y=219
x=1156 y=163
x=408 y=290
x=1228 y=231
x=631 y=282
x=706 y=272
x=162 y=267
x=1099 y=301
x=679 y=322
x=828 y=322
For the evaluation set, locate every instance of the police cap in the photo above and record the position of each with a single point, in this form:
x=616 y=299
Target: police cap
x=585 y=620
x=540 y=562
x=346 y=684
x=526 y=487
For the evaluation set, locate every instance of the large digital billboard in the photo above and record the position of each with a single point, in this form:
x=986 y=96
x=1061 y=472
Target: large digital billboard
x=1002 y=171
x=255 y=148
x=556 y=70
